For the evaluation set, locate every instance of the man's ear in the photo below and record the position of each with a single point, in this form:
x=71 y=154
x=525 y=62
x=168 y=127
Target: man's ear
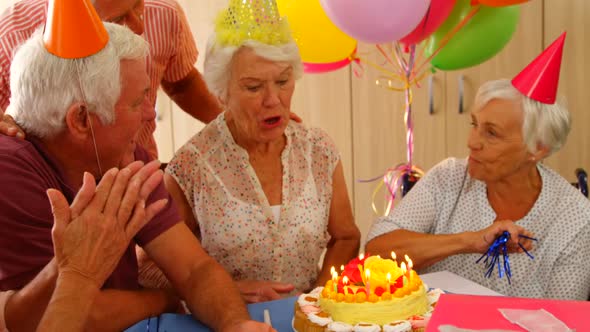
x=78 y=120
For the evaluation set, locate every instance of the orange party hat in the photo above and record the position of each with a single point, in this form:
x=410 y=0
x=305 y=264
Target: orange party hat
x=539 y=80
x=73 y=29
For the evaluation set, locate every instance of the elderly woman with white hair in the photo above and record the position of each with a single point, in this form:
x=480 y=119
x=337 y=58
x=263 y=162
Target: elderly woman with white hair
x=455 y=212
x=266 y=196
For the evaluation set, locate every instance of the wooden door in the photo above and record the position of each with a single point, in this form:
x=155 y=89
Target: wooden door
x=323 y=101
x=572 y=16
x=379 y=136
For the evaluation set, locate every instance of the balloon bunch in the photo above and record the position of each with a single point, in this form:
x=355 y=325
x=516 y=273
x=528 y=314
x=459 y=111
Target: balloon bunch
x=414 y=37
x=497 y=248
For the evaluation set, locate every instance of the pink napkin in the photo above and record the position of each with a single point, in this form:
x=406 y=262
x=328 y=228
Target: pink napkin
x=451 y=328
x=535 y=320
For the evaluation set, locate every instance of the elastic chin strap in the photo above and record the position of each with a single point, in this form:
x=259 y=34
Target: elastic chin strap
x=89 y=118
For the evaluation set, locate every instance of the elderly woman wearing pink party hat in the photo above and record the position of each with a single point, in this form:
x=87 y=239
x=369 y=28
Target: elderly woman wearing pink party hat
x=454 y=214
x=266 y=196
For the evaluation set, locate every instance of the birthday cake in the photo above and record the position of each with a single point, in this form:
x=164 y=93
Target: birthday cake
x=370 y=294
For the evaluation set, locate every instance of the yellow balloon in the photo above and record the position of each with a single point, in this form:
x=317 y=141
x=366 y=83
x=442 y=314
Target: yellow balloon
x=319 y=40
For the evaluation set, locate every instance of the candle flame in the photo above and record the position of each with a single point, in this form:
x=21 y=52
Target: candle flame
x=388 y=277
x=332 y=270
x=341 y=267
x=403 y=266
x=393 y=255
x=361 y=256
x=410 y=264
x=345 y=280
x=367 y=273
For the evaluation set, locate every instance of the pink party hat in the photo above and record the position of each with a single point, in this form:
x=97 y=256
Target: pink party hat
x=539 y=80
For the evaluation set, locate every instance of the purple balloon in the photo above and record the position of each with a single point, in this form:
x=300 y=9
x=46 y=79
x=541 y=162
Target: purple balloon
x=376 y=21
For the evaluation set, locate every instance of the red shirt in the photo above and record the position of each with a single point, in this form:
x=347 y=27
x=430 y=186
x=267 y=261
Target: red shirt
x=26 y=172
x=173 y=52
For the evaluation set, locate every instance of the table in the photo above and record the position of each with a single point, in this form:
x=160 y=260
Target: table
x=281 y=311
x=281 y=315
x=455 y=284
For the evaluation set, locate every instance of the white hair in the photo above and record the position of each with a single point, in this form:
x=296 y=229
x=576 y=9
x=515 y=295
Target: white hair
x=43 y=86
x=218 y=60
x=547 y=125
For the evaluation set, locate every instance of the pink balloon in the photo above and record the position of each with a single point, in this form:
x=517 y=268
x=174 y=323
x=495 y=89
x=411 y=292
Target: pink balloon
x=435 y=15
x=376 y=21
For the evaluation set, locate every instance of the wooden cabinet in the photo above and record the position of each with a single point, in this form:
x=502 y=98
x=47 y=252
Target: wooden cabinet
x=379 y=136
x=324 y=101
x=572 y=16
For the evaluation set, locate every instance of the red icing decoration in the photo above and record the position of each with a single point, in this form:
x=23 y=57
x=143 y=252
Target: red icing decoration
x=392 y=289
x=399 y=282
x=351 y=270
x=379 y=291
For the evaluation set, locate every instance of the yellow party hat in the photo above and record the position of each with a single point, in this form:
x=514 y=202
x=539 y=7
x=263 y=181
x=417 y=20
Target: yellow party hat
x=257 y=20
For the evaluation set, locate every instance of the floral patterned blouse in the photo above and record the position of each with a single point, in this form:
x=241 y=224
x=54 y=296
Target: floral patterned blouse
x=235 y=220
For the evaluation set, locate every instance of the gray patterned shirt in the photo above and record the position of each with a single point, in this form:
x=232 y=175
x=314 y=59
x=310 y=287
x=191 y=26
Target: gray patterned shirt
x=447 y=201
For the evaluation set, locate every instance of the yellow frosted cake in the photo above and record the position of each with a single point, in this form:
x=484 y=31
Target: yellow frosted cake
x=370 y=294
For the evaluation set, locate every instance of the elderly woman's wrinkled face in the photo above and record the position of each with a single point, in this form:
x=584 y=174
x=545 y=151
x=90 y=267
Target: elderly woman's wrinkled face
x=259 y=96
x=497 y=148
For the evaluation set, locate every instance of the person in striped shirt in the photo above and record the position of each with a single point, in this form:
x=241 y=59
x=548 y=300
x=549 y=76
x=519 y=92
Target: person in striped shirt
x=170 y=64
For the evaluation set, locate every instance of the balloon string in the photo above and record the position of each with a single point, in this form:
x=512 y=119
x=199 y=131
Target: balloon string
x=391 y=179
x=385 y=55
x=384 y=71
x=449 y=35
x=408 y=114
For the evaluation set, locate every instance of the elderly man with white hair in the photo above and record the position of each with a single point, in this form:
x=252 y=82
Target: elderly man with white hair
x=453 y=214
x=81 y=116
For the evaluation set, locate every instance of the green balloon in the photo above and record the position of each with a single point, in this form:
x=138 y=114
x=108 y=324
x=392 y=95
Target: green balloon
x=484 y=35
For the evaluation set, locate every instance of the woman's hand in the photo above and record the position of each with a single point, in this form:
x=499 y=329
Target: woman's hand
x=260 y=291
x=485 y=237
x=9 y=127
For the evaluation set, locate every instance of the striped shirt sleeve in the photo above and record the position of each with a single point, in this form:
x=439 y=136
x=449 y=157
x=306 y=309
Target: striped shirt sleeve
x=185 y=54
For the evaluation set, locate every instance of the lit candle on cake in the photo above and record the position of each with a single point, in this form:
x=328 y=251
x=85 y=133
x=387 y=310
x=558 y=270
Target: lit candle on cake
x=341 y=268
x=388 y=281
x=361 y=256
x=367 y=284
x=394 y=257
x=334 y=279
x=404 y=272
x=345 y=283
x=410 y=265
